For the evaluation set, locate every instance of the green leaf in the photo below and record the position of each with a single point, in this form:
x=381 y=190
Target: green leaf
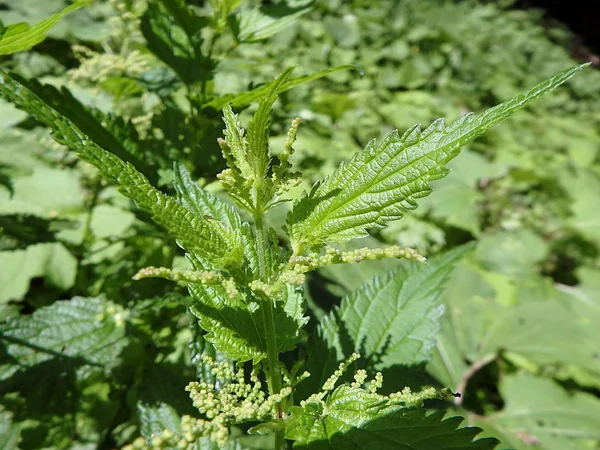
x=512 y=253
x=248 y=157
x=166 y=26
x=538 y=413
x=235 y=325
x=201 y=202
x=194 y=234
x=549 y=328
x=9 y=432
x=353 y=418
x=46 y=192
x=254 y=26
x=19 y=37
x=245 y=98
x=156 y=418
x=208 y=207
x=52 y=261
x=459 y=196
x=107 y=131
x=18 y=231
x=185 y=17
x=380 y=183
x=87 y=330
x=583 y=189
x=110 y=221
x=260 y=125
x=393 y=320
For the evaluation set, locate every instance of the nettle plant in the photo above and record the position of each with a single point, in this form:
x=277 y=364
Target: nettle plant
x=247 y=287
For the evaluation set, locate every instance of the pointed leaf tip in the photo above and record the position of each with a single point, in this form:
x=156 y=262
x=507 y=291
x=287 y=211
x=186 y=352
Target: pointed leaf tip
x=383 y=181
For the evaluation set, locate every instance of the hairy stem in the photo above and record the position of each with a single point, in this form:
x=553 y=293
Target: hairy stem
x=96 y=188
x=273 y=372
x=462 y=385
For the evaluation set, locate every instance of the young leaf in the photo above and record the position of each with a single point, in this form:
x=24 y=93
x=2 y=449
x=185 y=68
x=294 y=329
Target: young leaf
x=194 y=234
x=248 y=156
x=90 y=330
x=354 y=418
x=383 y=181
x=19 y=37
x=393 y=319
x=245 y=98
x=260 y=125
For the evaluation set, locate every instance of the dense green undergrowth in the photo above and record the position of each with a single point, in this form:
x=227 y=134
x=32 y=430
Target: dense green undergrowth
x=97 y=347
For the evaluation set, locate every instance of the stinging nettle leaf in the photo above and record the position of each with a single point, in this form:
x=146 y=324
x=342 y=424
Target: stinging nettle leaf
x=203 y=204
x=255 y=26
x=245 y=98
x=477 y=331
x=10 y=434
x=394 y=319
x=351 y=418
x=194 y=234
x=109 y=132
x=236 y=326
x=248 y=157
x=19 y=37
x=383 y=181
x=260 y=125
x=539 y=413
x=173 y=33
x=90 y=330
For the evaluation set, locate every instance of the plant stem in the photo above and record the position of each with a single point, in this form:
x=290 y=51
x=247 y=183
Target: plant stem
x=273 y=372
x=462 y=385
x=96 y=188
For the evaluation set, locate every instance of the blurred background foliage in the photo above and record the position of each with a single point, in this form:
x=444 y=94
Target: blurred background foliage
x=520 y=336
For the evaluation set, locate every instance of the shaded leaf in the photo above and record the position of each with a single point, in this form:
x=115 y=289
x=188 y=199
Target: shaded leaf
x=235 y=324
x=19 y=37
x=208 y=207
x=107 y=131
x=352 y=419
x=52 y=261
x=538 y=413
x=173 y=34
x=550 y=328
x=87 y=330
x=393 y=319
x=511 y=253
x=9 y=432
x=18 y=231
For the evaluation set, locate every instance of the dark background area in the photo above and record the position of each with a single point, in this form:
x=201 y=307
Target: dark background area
x=581 y=16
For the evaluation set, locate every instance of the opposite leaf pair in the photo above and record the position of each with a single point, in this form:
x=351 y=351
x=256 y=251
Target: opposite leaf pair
x=245 y=286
